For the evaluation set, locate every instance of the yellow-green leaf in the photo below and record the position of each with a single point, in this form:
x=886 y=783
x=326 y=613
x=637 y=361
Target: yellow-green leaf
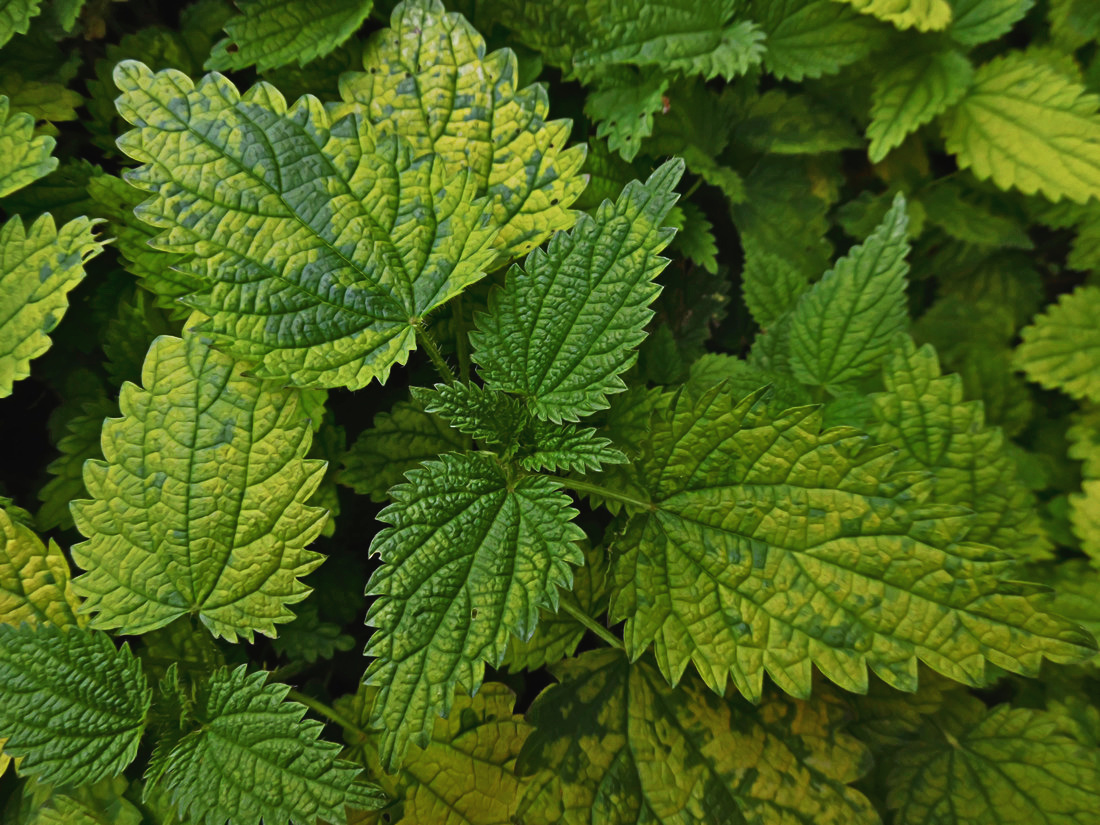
x=24 y=157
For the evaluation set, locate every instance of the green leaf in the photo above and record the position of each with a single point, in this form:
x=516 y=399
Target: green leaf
x=742 y=378
x=39 y=265
x=564 y=327
x=811 y=38
x=387 y=237
x=1076 y=592
x=623 y=106
x=102 y=803
x=70 y=704
x=34 y=579
x=923 y=414
x=471 y=554
x=253 y=758
x=79 y=445
x=398 y=441
x=199 y=507
x=842 y=327
x=771 y=284
x=24 y=158
x=924 y=15
x=429 y=80
x=695 y=237
x=1085 y=517
x=272 y=33
x=1061 y=350
x=966 y=218
x=911 y=94
x=994 y=767
x=886 y=718
x=978 y=21
x=770 y=546
x=614 y=743
x=15 y=17
x=1023 y=124
x=793 y=124
x=308 y=638
x=41 y=100
x=1073 y=23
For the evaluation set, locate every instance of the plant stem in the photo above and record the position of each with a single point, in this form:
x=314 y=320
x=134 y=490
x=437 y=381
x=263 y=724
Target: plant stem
x=328 y=712
x=587 y=487
x=462 y=344
x=424 y=338
x=591 y=624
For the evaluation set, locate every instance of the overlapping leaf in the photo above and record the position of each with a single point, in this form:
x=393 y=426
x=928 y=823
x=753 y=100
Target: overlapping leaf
x=200 y=506
x=994 y=767
x=15 y=17
x=471 y=554
x=271 y=33
x=614 y=743
x=70 y=704
x=336 y=242
x=34 y=578
x=255 y=757
x=1061 y=350
x=1026 y=126
x=39 y=265
x=924 y=15
x=924 y=415
x=429 y=79
x=565 y=326
x=978 y=21
x=24 y=157
x=811 y=38
x=768 y=546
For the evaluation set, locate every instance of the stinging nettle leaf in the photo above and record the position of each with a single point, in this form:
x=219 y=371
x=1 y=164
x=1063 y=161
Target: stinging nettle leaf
x=564 y=327
x=335 y=242
x=977 y=21
x=770 y=546
x=273 y=33
x=24 y=157
x=255 y=757
x=614 y=743
x=34 y=579
x=842 y=327
x=1025 y=125
x=71 y=704
x=471 y=554
x=200 y=507
x=924 y=15
x=428 y=79
x=811 y=38
x=15 y=17
x=39 y=265
x=1061 y=349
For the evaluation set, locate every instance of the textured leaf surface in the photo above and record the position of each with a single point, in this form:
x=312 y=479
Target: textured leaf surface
x=771 y=284
x=23 y=156
x=616 y=744
x=564 y=327
x=397 y=442
x=272 y=33
x=1061 y=350
x=924 y=415
x=1026 y=126
x=768 y=546
x=623 y=107
x=34 y=579
x=842 y=328
x=912 y=94
x=977 y=21
x=79 y=444
x=924 y=15
x=255 y=757
x=811 y=38
x=1001 y=766
x=336 y=243
x=70 y=704
x=200 y=506
x=429 y=79
x=15 y=17
x=39 y=265
x=470 y=556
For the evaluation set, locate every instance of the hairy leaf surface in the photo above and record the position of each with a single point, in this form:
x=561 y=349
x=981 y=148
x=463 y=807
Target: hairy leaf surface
x=199 y=508
x=24 y=157
x=39 y=265
x=770 y=546
x=70 y=704
x=429 y=79
x=1061 y=350
x=564 y=327
x=1026 y=126
x=272 y=33
x=335 y=241
x=614 y=743
x=994 y=767
x=471 y=554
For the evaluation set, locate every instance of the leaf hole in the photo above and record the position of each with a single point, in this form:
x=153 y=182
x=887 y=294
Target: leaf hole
x=473 y=613
x=232 y=48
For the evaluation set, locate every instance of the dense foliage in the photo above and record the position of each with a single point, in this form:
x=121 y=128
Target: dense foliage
x=690 y=409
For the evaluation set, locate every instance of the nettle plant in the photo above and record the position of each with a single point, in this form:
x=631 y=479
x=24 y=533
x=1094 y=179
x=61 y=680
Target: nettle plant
x=578 y=445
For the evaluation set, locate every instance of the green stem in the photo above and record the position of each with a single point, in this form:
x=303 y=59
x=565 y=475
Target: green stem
x=587 y=487
x=591 y=624
x=462 y=343
x=424 y=338
x=329 y=713
x=691 y=191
